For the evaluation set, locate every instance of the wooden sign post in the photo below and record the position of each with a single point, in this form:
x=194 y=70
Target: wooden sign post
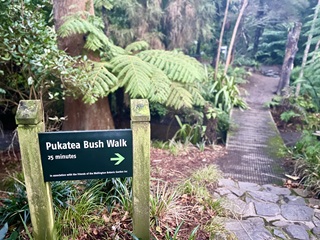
x=29 y=119
x=68 y=156
x=140 y=124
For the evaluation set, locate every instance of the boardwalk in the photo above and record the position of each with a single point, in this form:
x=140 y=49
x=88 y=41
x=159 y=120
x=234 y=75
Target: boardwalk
x=253 y=141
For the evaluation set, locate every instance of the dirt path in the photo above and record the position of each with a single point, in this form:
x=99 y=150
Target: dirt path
x=253 y=141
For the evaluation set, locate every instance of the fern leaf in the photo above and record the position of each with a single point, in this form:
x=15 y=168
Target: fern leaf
x=84 y=23
x=160 y=87
x=135 y=75
x=196 y=94
x=108 y=4
x=137 y=46
x=177 y=66
x=97 y=83
x=179 y=97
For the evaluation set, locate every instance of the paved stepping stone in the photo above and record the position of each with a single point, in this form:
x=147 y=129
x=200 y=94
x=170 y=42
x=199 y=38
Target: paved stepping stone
x=297 y=232
x=297 y=212
x=270 y=213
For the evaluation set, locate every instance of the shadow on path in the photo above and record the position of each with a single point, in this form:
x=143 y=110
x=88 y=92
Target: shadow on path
x=253 y=141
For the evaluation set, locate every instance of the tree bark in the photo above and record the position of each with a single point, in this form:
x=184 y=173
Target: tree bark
x=83 y=116
x=220 y=39
x=80 y=116
x=243 y=7
x=287 y=66
x=306 y=50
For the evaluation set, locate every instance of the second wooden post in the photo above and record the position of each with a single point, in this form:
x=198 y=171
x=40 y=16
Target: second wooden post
x=140 y=124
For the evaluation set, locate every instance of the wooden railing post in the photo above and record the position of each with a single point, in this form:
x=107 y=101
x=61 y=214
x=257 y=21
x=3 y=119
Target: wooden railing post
x=29 y=119
x=140 y=124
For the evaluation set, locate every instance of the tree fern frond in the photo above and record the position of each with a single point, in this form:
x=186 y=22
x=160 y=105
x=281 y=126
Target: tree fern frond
x=160 y=87
x=196 y=94
x=84 y=23
x=179 y=97
x=177 y=66
x=98 y=82
x=134 y=74
x=137 y=46
x=108 y=4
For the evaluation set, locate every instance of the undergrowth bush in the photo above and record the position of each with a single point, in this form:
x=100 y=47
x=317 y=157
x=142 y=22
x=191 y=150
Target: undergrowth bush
x=306 y=154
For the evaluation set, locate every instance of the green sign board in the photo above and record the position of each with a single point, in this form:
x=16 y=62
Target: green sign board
x=76 y=155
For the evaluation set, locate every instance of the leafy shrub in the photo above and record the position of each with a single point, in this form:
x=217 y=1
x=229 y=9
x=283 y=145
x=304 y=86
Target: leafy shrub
x=15 y=205
x=223 y=93
x=288 y=115
x=189 y=133
x=306 y=153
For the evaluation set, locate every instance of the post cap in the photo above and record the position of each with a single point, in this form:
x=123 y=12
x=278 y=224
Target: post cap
x=140 y=111
x=29 y=112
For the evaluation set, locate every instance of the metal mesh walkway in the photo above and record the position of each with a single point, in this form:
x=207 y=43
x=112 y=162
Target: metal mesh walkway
x=253 y=141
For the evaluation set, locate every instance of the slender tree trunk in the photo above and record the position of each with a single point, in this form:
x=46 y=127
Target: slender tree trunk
x=306 y=50
x=287 y=66
x=80 y=116
x=234 y=34
x=220 y=39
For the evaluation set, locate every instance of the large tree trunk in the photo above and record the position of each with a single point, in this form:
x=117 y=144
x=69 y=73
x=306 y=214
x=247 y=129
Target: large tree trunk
x=220 y=39
x=287 y=66
x=306 y=50
x=234 y=34
x=80 y=116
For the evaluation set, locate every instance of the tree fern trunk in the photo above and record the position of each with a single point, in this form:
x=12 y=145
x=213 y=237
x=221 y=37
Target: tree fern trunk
x=81 y=116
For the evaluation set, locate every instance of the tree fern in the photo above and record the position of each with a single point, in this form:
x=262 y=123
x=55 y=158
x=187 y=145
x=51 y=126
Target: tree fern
x=161 y=76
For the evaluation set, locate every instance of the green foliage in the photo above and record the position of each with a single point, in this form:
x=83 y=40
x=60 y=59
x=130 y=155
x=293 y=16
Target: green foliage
x=157 y=110
x=288 y=115
x=272 y=47
x=275 y=101
x=310 y=83
x=189 y=133
x=77 y=217
x=306 y=153
x=32 y=65
x=200 y=182
x=223 y=93
x=15 y=206
x=246 y=62
x=162 y=202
